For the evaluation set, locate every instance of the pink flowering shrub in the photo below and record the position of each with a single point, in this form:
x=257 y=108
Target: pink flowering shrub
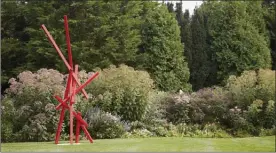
x=43 y=81
x=34 y=115
x=29 y=105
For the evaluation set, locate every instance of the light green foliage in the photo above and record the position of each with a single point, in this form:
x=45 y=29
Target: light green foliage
x=268 y=132
x=155 y=112
x=206 y=131
x=241 y=86
x=161 y=51
x=270 y=120
x=141 y=133
x=266 y=85
x=254 y=113
x=7 y=115
x=123 y=91
x=253 y=93
x=252 y=85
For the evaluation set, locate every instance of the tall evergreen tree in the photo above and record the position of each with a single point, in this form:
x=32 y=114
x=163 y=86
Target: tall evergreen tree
x=269 y=7
x=186 y=37
x=185 y=31
x=170 y=7
x=200 y=63
x=237 y=39
x=162 y=51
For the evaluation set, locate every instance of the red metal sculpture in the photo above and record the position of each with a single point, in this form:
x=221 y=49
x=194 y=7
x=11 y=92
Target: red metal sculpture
x=71 y=90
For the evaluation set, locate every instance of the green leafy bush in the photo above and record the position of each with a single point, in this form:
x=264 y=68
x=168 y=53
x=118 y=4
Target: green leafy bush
x=265 y=85
x=253 y=114
x=123 y=91
x=206 y=131
x=103 y=125
x=141 y=133
x=155 y=112
x=252 y=85
x=268 y=132
x=7 y=115
x=269 y=119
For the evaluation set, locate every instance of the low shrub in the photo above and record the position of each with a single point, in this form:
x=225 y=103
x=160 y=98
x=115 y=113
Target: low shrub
x=206 y=131
x=252 y=85
x=104 y=125
x=179 y=109
x=268 y=132
x=213 y=103
x=242 y=133
x=138 y=133
x=269 y=119
x=7 y=115
x=155 y=112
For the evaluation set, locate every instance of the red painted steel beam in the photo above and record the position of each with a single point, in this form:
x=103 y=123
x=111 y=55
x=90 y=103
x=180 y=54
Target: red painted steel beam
x=62 y=57
x=82 y=121
x=66 y=27
x=78 y=89
x=63 y=104
x=78 y=129
x=74 y=113
x=61 y=118
x=74 y=86
x=79 y=84
x=87 y=133
x=55 y=46
x=68 y=85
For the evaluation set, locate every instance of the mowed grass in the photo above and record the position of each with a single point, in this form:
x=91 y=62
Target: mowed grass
x=252 y=144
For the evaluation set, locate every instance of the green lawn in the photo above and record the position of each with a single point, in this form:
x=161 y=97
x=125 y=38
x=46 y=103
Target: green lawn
x=253 y=144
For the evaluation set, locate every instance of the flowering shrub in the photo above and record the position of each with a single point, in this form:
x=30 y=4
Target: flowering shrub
x=49 y=81
x=103 y=125
x=178 y=108
x=31 y=95
x=213 y=103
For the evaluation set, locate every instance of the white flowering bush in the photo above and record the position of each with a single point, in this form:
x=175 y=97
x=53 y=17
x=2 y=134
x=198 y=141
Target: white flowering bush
x=180 y=109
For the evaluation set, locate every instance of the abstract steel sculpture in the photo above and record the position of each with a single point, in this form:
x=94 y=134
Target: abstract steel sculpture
x=71 y=90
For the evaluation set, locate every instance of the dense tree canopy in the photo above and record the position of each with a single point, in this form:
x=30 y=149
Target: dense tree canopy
x=177 y=48
x=102 y=33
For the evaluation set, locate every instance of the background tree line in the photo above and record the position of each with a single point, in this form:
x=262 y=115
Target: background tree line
x=219 y=39
x=143 y=35
x=226 y=38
